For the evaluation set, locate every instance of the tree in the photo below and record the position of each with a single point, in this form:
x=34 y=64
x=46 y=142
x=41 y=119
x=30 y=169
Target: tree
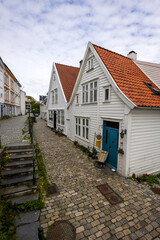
x=35 y=107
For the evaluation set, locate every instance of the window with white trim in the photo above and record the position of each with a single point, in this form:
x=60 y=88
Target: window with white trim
x=12 y=84
x=90 y=63
x=89 y=92
x=55 y=96
x=6 y=79
x=106 y=94
x=77 y=99
x=82 y=127
x=85 y=93
x=50 y=115
x=60 y=117
x=52 y=97
x=78 y=126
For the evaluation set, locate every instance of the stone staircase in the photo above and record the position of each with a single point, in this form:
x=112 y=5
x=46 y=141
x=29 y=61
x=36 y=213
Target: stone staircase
x=17 y=175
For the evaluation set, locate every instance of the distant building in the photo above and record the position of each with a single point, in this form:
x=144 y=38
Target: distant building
x=10 y=96
x=43 y=108
x=28 y=104
x=41 y=97
x=1 y=87
x=62 y=82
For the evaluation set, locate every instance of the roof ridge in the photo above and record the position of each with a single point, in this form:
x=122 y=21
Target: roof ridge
x=66 y=65
x=111 y=51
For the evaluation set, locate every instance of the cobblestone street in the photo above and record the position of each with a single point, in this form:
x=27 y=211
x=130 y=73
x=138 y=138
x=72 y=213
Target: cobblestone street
x=81 y=203
x=11 y=129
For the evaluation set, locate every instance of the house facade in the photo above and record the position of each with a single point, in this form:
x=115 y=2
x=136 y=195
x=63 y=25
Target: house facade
x=10 y=92
x=62 y=81
x=43 y=108
x=114 y=101
x=1 y=87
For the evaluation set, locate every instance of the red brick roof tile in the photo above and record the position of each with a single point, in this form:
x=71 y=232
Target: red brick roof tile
x=68 y=76
x=129 y=78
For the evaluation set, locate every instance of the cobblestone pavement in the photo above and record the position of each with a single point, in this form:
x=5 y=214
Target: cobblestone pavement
x=11 y=129
x=81 y=203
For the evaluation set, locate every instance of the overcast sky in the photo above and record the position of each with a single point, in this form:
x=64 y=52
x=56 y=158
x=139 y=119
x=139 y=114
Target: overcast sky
x=36 y=33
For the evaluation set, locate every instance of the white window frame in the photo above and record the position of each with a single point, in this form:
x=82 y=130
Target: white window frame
x=78 y=126
x=6 y=79
x=55 y=96
x=50 y=115
x=60 y=117
x=90 y=64
x=109 y=94
x=85 y=93
x=91 y=91
x=77 y=99
x=82 y=127
x=52 y=97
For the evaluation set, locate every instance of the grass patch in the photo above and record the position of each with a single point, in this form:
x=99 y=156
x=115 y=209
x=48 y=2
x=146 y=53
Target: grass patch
x=150 y=179
x=7 y=215
x=41 y=169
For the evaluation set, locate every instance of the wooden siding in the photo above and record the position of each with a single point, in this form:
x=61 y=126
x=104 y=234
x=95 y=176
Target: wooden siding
x=96 y=112
x=152 y=70
x=144 y=149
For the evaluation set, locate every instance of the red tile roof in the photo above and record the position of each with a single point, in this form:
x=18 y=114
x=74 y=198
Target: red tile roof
x=129 y=78
x=68 y=76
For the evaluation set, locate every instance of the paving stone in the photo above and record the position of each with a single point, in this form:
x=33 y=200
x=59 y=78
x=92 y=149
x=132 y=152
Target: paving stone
x=80 y=202
x=28 y=231
x=27 y=218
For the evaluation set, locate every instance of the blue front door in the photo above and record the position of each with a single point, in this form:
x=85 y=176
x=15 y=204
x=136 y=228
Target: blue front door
x=110 y=143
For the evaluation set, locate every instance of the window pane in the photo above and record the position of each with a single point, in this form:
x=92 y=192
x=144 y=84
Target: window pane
x=91 y=85
x=76 y=130
x=95 y=95
x=86 y=97
x=91 y=62
x=106 y=94
x=83 y=98
x=91 y=96
x=79 y=121
x=95 y=84
x=83 y=121
x=83 y=88
x=76 y=120
x=86 y=122
x=79 y=131
x=86 y=133
x=86 y=87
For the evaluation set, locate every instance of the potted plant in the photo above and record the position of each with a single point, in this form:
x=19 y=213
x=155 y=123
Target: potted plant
x=94 y=153
x=120 y=150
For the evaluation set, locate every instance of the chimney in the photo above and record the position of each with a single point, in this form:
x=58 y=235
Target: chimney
x=132 y=55
x=80 y=63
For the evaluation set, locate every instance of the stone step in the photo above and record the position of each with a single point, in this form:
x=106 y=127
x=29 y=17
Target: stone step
x=20 y=157
x=19 y=145
x=20 y=151
x=23 y=199
x=19 y=163
x=13 y=191
x=17 y=180
x=13 y=172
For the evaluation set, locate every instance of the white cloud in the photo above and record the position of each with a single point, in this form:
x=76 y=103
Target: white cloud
x=34 y=33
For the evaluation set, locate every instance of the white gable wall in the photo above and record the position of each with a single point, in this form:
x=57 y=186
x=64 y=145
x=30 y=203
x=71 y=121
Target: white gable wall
x=144 y=144
x=97 y=112
x=61 y=105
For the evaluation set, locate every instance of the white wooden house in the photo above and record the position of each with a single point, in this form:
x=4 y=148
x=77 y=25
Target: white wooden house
x=61 y=85
x=43 y=108
x=113 y=98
